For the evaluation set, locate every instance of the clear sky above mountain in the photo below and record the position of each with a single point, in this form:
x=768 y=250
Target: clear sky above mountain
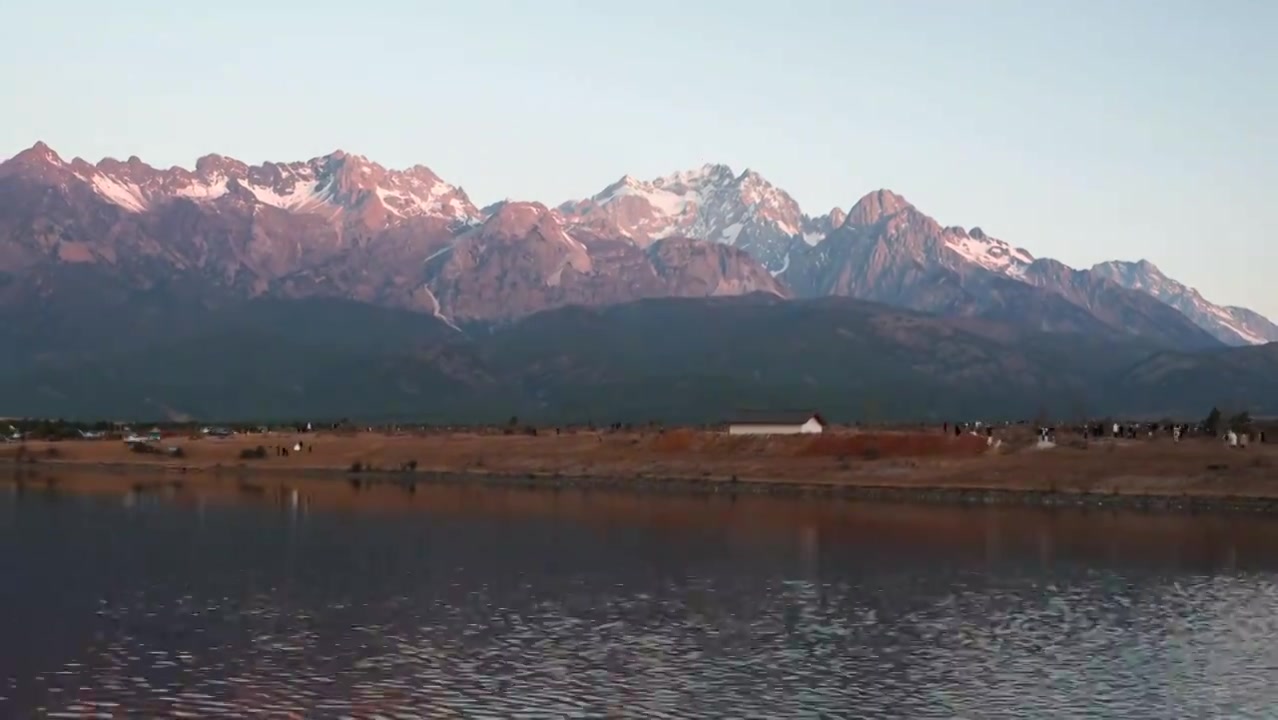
x=1082 y=130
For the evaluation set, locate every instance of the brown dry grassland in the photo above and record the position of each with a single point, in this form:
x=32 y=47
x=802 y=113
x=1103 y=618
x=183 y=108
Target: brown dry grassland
x=904 y=460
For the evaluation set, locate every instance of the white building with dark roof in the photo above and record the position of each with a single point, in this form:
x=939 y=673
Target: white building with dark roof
x=777 y=422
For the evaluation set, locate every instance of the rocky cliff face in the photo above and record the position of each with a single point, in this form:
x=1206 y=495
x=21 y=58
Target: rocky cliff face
x=888 y=251
x=1230 y=325
x=709 y=203
x=883 y=248
x=117 y=233
x=338 y=186
x=522 y=260
x=336 y=226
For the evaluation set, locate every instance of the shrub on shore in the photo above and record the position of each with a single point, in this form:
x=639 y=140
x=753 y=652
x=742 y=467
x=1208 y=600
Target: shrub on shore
x=253 y=453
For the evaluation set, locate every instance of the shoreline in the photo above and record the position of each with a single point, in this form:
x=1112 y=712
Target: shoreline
x=969 y=496
x=1141 y=475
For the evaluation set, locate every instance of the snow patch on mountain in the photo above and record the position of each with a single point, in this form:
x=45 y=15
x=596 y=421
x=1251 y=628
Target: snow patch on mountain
x=125 y=194
x=990 y=253
x=1234 y=326
x=329 y=186
x=1230 y=323
x=437 y=200
x=667 y=202
x=785 y=265
x=728 y=235
x=745 y=211
x=707 y=203
x=711 y=202
x=305 y=197
x=215 y=188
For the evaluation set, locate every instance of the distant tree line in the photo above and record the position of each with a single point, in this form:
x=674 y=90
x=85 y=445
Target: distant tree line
x=1216 y=423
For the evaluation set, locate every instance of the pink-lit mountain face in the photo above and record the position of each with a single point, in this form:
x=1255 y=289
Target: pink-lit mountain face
x=883 y=249
x=1229 y=324
x=342 y=226
x=337 y=225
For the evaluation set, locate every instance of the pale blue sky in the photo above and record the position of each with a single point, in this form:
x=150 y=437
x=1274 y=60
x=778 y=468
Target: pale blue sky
x=1080 y=130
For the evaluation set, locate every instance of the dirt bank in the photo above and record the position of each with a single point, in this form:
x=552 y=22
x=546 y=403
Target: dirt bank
x=886 y=465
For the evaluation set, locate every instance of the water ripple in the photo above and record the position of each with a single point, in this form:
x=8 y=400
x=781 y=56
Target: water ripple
x=110 y=611
x=1091 y=648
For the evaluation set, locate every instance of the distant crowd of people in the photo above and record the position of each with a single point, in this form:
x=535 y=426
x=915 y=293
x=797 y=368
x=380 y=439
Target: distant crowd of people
x=1115 y=430
x=284 y=450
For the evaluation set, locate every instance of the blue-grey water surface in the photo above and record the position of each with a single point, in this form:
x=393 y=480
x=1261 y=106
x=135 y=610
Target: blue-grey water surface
x=475 y=602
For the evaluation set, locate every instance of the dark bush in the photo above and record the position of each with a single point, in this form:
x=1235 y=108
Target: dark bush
x=257 y=453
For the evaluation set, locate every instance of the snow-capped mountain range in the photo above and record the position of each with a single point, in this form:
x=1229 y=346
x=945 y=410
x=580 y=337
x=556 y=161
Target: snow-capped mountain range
x=709 y=203
x=746 y=211
x=334 y=186
x=714 y=203
x=341 y=224
x=1229 y=323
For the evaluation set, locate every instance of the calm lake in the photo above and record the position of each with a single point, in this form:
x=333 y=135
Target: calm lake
x=481 y=602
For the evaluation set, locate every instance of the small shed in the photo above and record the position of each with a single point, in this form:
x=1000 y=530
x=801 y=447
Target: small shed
x=771 y=422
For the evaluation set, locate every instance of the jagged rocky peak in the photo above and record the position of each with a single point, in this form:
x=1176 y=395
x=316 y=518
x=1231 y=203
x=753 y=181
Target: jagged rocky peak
x=710 y=173
x=1053 y=266
x=133 y=170
x=716 y=268
x=491 y=209
x=817 y=229
x=1147 y=266
x=39 y=152
x=518 y=219
x=39 y=159
x=353 y=174
x=520 y=222
x=626 y=185
x=836 y=217
x=1230 y=325
x=668 y=195
x=214 y=164
x=875 y=206
x=348 y=200
x=1127 y=271
x=340 y=186
x=710 y=202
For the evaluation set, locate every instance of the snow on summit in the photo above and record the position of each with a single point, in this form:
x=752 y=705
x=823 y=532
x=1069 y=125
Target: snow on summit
x=704 y=202
x=1233 y=326
x=331 y=186
x=711 y=202
x=990 y=253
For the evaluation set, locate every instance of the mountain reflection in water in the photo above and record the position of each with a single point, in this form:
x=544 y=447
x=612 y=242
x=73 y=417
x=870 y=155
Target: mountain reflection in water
x=480 y=602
